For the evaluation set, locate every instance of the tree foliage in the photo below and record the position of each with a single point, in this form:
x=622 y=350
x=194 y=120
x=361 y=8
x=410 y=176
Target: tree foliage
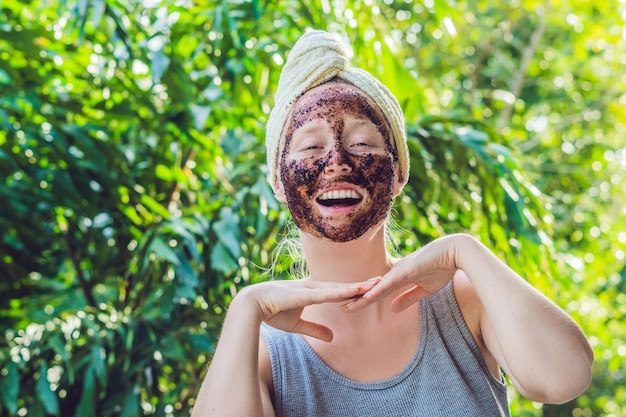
x=135 y=201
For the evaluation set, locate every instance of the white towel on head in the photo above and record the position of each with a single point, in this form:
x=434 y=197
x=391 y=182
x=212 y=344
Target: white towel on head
x=317 y=57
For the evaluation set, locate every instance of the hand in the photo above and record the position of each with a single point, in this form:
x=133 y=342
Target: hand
x=424 y=272
x=280 y=303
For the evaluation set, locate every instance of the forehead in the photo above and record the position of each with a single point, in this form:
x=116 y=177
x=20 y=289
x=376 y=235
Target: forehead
x=333 y=104
x=328 y=98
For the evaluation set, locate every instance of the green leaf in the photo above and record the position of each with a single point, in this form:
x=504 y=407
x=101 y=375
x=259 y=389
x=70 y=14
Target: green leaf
x=5 y=79
x=160 y=62
x=227 y=231
x=130 y=407
x=131 y=213
x=171 y=348
x=468 y=134
x=262 y=188
x=185 y=229
x=10 y=387
x=46 y=397
x=164 y=172
x=185 y=291
x=186 y=273
x=86 y=405
x=222 y=260
x=98 y=365
x=154 y=206
x=58 y=345
x=200 y=343
x=163 y=251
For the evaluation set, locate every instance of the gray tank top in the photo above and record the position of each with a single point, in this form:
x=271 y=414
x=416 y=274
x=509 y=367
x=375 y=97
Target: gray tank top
x=447 y=377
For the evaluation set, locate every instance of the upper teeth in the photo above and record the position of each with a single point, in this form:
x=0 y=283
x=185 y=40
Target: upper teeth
x=339 y=195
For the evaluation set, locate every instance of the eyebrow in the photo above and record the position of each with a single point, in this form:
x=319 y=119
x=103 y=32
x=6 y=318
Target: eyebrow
x=363 y=122
x=308 y=125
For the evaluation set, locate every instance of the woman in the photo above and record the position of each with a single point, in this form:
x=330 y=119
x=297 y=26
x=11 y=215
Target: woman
x=366 y=334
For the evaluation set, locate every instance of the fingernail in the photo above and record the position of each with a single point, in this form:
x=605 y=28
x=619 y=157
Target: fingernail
x=348 y=305
x=368 y=294
x=373 y=280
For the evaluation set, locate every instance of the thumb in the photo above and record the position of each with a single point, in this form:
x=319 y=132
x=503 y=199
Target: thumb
x=408 y=298
x=315 y=330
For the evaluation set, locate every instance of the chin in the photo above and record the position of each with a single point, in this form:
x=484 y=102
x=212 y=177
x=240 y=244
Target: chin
x=345 y=234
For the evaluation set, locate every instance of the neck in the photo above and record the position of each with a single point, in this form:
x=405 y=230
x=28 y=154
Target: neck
x=352 y=261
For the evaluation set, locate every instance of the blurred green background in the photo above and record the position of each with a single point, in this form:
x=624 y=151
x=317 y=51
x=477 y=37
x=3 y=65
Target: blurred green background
x=134 y=201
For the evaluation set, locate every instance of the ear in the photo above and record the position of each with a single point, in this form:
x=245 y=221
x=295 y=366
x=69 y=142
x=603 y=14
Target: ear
x=398 y=183
x=279 y=190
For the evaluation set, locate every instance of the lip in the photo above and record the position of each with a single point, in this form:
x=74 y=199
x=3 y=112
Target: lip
x=340 y=187
x=342 y=209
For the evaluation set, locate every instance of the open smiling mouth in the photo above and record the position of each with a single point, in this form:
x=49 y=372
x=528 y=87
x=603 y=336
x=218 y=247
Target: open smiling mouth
x=339 y=198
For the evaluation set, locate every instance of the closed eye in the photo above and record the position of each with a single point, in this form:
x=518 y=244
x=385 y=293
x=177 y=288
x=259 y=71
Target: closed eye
x=363 y=141
x=309 y=146
x=310 y=150
x=362 y=145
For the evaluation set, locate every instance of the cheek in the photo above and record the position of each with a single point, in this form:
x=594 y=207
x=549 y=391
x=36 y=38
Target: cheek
x=377 y=170
x=300 y=175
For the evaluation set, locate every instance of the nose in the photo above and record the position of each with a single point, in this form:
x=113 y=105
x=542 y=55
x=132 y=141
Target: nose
x=338 y=162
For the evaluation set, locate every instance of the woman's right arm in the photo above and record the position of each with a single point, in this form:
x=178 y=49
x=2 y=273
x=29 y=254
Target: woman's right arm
x=232 y=386
x=237 y=384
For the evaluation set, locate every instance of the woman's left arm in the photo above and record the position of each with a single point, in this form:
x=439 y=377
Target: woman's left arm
x=539 y=346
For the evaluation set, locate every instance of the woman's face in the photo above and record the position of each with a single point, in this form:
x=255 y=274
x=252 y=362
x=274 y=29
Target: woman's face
x=338 y=166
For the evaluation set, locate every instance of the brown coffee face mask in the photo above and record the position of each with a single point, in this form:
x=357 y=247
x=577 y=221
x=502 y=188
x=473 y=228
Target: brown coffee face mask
x=339 y=141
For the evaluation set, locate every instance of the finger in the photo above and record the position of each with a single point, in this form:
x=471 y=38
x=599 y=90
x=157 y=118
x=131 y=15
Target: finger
x=384 y=287
x=312 y=329
x=370 y=283
x=408 y=298
x=356 y=304
x=365 y=286
x=323 y=293
x=360 y=302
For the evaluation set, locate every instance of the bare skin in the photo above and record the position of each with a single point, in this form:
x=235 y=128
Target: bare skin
x=342 y=311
